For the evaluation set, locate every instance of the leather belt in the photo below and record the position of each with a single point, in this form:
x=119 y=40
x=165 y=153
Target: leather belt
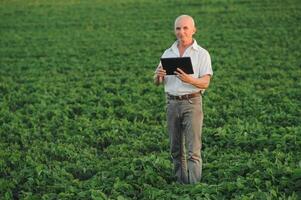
x=184 y=97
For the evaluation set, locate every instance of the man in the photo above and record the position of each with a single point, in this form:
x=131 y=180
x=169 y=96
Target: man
x=184 y=101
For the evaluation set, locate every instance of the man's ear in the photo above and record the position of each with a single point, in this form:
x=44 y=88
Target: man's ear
x=195 y=29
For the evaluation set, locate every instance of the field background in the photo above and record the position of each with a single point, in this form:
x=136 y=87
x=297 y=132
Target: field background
x=81 y=119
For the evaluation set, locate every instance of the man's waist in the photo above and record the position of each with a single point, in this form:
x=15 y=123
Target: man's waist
x=183 y=97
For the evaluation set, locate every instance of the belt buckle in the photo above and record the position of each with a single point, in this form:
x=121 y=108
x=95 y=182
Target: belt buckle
x=180 y=97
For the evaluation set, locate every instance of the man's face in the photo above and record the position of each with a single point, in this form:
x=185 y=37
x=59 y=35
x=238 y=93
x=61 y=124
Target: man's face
x=184 y=29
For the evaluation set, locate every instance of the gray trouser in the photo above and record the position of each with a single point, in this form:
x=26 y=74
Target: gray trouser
x=184 y=123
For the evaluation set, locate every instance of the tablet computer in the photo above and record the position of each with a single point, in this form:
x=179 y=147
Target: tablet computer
x=171 y=65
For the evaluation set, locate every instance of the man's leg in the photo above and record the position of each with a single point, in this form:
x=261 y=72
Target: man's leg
x=192 y=124
x=176 y=138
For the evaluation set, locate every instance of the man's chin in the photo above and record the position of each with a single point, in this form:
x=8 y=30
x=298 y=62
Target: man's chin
x=185 y=40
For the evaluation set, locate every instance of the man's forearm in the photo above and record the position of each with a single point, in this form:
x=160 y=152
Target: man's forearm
x=202 y=83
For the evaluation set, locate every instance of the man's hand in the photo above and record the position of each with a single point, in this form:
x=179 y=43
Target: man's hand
x=183 y=76
x=202 y=82
x=159 y=75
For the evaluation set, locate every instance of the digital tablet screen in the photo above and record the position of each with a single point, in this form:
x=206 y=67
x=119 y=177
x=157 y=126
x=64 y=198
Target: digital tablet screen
x=171 y=65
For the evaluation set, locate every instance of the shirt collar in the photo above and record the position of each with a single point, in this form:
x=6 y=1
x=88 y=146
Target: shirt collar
x=174 y=46
x=195 y=45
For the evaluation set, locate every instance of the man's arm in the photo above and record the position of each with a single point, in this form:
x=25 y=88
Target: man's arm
x=202 y=82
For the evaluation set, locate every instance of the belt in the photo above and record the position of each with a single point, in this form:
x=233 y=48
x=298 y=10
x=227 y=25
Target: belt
x=184 y=97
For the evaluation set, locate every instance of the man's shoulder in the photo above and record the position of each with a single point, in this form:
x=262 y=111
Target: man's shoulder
x=168 y=49
x=171 y=51
x=168 y=53
x=201 y=49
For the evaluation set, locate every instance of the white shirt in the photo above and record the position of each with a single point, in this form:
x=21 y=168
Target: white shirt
x=201 y=63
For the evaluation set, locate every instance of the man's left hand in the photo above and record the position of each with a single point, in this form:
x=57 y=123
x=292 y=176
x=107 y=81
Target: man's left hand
x=183 y=76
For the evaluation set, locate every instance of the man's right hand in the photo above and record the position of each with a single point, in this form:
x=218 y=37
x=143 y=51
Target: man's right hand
x=160 y=75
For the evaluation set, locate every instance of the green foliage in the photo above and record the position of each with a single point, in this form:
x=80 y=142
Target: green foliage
x=81 y=119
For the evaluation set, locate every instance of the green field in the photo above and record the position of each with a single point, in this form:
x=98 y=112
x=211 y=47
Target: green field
x=81 y=119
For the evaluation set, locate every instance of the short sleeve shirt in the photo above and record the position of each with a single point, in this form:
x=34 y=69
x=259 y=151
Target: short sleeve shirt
x=201 y=63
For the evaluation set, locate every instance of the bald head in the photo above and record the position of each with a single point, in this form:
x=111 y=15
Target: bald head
x=185 y=17
x=185 y=29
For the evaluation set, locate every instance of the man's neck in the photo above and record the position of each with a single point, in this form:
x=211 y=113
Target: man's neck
x=182 y=46
x=185 y=44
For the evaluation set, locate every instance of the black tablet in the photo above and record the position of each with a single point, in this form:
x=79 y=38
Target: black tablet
x=171 y=65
